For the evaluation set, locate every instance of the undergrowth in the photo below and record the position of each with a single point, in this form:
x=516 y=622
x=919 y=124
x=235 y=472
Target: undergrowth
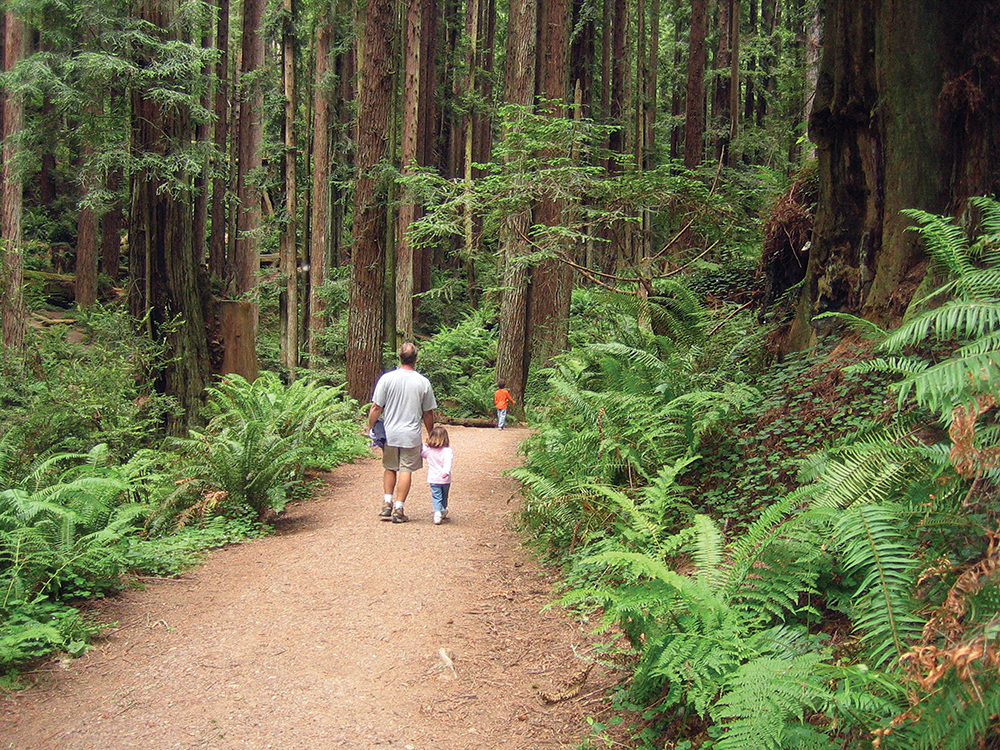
x=803 y=557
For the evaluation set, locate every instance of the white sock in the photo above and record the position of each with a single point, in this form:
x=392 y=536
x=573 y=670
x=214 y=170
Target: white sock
x=398 y=505
x=386 y=498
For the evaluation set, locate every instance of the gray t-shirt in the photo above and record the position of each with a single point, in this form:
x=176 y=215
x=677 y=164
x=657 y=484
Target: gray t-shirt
x=404 y=396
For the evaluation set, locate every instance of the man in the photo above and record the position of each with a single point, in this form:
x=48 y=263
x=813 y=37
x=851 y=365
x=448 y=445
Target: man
x=404 y=399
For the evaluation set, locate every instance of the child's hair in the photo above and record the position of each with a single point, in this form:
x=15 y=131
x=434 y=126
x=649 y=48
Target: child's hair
x=501 y=383
x=438 y=437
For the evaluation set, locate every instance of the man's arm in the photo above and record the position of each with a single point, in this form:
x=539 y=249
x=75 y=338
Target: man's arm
x=429 y=421
x=373 y=414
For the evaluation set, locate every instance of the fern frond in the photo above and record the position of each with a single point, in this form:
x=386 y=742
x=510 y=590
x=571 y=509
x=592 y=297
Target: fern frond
x=708 y=552
x=958 y=319
x=872 y=546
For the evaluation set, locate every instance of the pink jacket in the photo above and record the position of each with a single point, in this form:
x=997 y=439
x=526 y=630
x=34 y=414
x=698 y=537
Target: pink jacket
x=438 y=464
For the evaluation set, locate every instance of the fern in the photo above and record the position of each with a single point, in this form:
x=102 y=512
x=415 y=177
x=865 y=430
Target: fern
x=768 y=701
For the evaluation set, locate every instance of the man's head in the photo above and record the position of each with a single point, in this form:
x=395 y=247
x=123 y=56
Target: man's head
x=408 y=353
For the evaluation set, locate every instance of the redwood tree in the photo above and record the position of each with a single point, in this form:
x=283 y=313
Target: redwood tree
x=519 y=88
x=375 y=100
x=907 y=115
x=166 y=285
x=12 y=307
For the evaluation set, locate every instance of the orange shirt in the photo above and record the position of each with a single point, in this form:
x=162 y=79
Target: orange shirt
x=502 y=398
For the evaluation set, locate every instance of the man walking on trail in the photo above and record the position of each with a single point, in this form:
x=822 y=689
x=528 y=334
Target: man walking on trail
x=404 y=399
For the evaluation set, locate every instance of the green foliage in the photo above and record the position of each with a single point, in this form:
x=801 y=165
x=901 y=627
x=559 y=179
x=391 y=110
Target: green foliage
x=460 y=363
x=968 y=322
x=85 y=384
x=36 y=629
x=260 y=437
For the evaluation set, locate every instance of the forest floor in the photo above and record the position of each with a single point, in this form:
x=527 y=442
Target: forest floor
x=338 y=631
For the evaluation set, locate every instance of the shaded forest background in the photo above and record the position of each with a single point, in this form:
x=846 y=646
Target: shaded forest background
x=660 y=222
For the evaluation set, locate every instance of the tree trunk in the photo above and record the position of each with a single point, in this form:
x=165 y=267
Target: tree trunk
x=289 y=234
x=551 y=282
x=319 y=240
x=217 y=243
x=513 y=355
x=13 y=313
x=694 y=118
x=721 y=113
x=166 y=286
x=411 y=119
x=246 y=261
x=375 y=99
x=906 y=107
x=111 y=230
x=87 y=258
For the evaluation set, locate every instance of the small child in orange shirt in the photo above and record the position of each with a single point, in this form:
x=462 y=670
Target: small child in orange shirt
x=502 y=399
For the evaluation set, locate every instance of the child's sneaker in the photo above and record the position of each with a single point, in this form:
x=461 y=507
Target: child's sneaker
x=386 y=513
x=444 y=514
x=438 y=515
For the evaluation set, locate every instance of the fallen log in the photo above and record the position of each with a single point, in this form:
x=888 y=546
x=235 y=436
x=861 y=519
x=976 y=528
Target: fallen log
x=465 y=421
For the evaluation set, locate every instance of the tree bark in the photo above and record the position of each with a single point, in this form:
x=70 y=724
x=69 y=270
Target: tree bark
x=375 y=98
x=166 y=286
x=411 y=119
x=217 y=242
x=289 y=234
x=246 y=261
x=906 y=107
x=13 y=313
x=111 y=230
x=551 y=281
x=694 y=118
x=320 y=224
x=513 y=355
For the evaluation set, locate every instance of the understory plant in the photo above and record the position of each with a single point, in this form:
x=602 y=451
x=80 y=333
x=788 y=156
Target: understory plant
x=860 y=610
x=65 y=531
x=259 y=440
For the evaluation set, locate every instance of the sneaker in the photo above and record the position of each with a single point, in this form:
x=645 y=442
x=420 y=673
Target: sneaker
x=444 y=514
x=386 y=513
x=438 y=515
x=398 y=516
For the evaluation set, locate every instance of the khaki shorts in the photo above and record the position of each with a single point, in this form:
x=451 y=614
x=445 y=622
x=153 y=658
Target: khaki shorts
x=401 y=459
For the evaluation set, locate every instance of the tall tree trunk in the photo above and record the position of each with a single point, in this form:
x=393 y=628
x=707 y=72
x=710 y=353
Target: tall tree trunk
x=513 y=354
x=111 y=229
x=217 y=243
x=319 y=240
x=87 y=256
x=166 y=284
x=289 y=234
x=375 y=99
x=239 y=325
x=694 y=118
x=430 y=125
x=907 y=104
x=768 y=28
x=582 y=57
x=551 y=282
x=411 y=119
x=721 y=100
x=13 y=313
x=676 y=99
x=202 y=181
x=814 y=48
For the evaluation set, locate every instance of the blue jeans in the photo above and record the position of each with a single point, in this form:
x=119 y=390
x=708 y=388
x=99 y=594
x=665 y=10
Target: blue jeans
x=439 y=494
x=501 y=417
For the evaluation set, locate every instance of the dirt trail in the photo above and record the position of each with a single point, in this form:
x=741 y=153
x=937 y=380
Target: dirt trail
x=340 y=631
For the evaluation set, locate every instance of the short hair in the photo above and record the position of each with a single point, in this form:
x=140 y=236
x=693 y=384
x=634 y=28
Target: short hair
x=438 y=437
x=501 y=383
x=408 y=353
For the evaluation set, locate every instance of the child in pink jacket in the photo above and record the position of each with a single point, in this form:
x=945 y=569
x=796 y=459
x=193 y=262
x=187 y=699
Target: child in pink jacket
x=438 y=455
